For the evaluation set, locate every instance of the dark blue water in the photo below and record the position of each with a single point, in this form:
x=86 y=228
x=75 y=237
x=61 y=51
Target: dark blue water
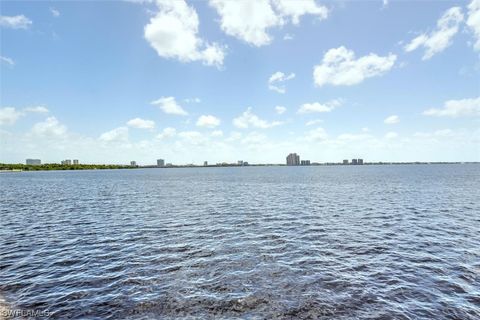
x=345 y=242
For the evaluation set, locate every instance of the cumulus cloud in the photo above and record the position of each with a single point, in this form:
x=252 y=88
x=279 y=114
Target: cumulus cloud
x=456 y=108
x=217 y=133
x=208 y=121
x=340 y=67
x=250 y=20
x=276 y=80
x=248 y=119
x=317 y=134
x=15 y=22
x=392 y=119
x=9 y=115
x=170 y=106
x=473 y=21
x=192 y=137
x=141 y=123
x=313 y=122
x=280 y=109
x=7 y=60
x=54 y=12
x=119 y=134
x=320 y=107
x=51 y=127
x=167 y=133
x=391 y=135
x=173 y=33
x=440 y=38
x=37 y=109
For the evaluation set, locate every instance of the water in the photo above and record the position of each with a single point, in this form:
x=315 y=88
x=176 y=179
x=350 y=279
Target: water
x=346 y=242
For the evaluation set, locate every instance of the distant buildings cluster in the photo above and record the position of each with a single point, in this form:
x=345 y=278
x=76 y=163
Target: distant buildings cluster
x=293 y=159
x=68 y=162
x=354 y=161
x=37 y=162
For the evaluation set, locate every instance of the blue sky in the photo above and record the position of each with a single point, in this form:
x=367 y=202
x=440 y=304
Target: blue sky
x=110 y=82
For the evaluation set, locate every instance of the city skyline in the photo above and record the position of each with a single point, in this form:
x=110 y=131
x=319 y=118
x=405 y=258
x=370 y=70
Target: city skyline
x=364 y=82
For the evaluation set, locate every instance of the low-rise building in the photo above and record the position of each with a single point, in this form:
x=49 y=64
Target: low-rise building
x=305 y=162
x=345 y=161
x=205 y=163
x=160 y=163
x=34 y=162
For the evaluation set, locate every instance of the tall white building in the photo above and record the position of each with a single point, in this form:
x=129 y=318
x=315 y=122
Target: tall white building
x=293 y=159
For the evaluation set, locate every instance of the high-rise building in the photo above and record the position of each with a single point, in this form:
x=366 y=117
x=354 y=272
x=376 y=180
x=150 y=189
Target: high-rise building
x=293 y=159
x=133 y=163
x=75 y=161
x=34 y=162
x=67 y=162
x=354 y=161
x=360 y=161
x=305 y=162
x=160 y=163
x=345 y=161
x=240 y=162
x=205 y=163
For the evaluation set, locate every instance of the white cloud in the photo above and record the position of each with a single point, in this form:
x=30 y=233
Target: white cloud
x=456 y=108
x=339 y=67
x=288 y=36
x=37 y=109
x=141 y=123
x=392 y=119
x=276 y=80
x=7 y=60
x=313 y=122
x=441 y=38
x=443 y=133
x=170 y=106
x=296 y=9
x=391 y=135
x=208 y=121
x=172 y=32
x=15 y=22
x=319 y=107
x=473 y=21
x=54 y=12
x=168 y=132
x=248 y=119
x=51 y=127
x=250 y=20
x=119 y=134
x=193 y=100
x=385 y=3
x=280 y=109
x=217 y=133
x=317 y=134
x=9 y=115
x=192 y=137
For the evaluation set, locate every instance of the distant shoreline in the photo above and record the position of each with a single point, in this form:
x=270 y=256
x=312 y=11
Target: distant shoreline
x=58 y=167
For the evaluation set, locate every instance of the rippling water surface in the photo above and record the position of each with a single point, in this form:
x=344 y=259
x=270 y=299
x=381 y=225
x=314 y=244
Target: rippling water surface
x=345 y=242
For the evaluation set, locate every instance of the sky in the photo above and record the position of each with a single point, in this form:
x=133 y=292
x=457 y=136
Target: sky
x=221 y=81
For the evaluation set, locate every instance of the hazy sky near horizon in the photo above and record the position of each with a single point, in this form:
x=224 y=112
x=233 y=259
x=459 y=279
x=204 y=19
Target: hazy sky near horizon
x=114 y=81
